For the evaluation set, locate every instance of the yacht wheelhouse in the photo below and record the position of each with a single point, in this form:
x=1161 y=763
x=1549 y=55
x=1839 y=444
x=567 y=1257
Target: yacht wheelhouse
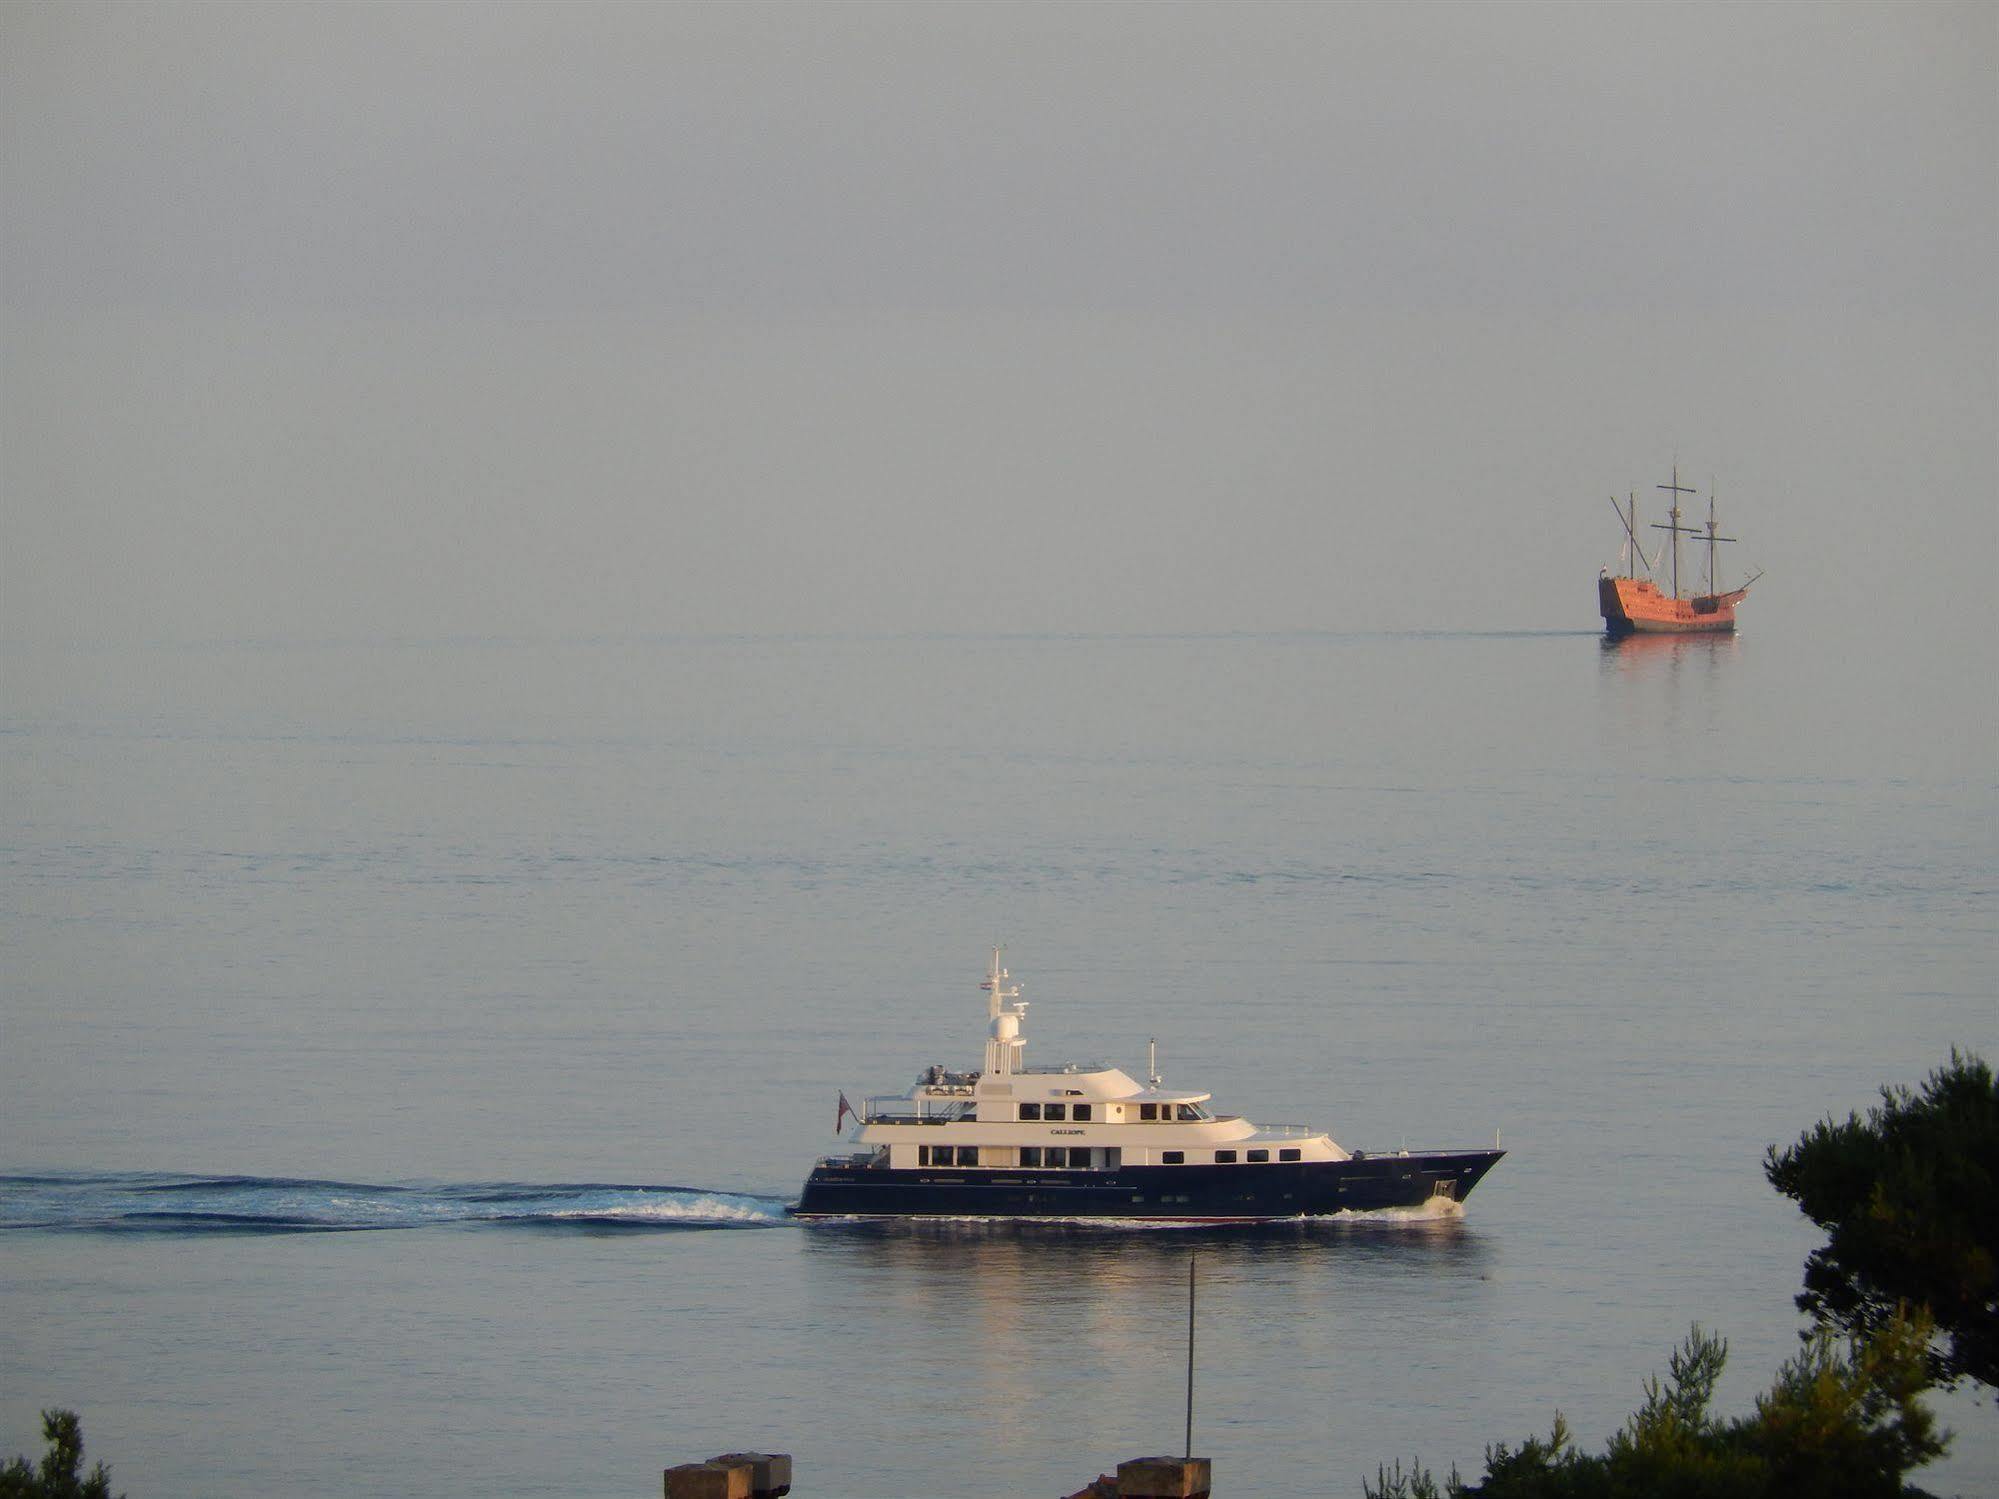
x=1086 y=1140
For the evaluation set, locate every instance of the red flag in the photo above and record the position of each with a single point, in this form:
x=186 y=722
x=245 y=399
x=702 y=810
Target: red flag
x=845 y=1109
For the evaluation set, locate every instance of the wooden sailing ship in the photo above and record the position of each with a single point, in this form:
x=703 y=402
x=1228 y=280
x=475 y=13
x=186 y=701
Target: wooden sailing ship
x=1635 y=605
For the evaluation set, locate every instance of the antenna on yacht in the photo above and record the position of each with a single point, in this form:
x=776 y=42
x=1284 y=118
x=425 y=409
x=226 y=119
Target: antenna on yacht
x=1152 y=1060
x=1005 y=1009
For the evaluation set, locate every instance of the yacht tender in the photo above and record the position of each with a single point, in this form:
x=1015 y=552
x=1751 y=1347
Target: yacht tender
x=1083 y=1140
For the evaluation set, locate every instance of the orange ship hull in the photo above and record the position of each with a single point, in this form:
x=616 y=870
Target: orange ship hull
x=1634 y=606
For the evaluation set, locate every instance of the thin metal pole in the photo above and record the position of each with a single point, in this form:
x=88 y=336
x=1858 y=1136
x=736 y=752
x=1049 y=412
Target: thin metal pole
x=1190 y=1355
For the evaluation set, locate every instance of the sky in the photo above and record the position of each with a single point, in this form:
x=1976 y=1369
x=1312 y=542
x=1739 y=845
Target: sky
x=442 y=321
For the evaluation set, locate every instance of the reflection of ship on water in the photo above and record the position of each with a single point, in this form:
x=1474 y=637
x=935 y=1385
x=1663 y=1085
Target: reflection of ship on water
x=1110 y=1307
x=938 y=1274
x=1082 y=1140
x=1633 y=605
x=1634 y=648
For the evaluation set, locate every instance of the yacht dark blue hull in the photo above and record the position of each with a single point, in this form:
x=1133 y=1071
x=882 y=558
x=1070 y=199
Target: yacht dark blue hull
x=1181 y=1194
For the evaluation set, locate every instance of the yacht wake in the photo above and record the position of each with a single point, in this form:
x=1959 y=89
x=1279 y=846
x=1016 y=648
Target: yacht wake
x=172 y=1203
x=1437 y=1209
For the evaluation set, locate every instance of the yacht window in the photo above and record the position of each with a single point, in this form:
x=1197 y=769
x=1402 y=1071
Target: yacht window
x=1190 y=1111
x=1030 y=1155
x=1173 y=1157
x=1148 y=1111
x=1114 y=1157
x=1288 y=1155
x=1030 y=1111
x=1224 y=1157
x=1055 y=1111
x=1080 y=1113
x=968 y=1155
x=1259 y=1155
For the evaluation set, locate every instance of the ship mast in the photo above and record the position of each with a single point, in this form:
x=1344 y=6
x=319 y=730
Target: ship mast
x=1632 y=555
x=1677 y=489
x=1713 y=577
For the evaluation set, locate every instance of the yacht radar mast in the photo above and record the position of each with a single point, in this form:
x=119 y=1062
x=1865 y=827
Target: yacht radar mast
x=1005 y=1009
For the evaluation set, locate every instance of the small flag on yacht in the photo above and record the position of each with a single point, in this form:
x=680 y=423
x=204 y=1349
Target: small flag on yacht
x=841 y=1117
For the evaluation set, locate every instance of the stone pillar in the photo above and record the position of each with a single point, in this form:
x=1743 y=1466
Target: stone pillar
x=710 y=1481
x=1164 y=1478
x=771 y=1472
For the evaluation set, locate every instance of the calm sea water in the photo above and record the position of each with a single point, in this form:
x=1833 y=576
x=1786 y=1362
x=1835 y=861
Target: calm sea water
x=409 y=1047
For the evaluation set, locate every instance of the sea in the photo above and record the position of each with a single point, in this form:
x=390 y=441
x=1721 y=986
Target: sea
x=409 y=1046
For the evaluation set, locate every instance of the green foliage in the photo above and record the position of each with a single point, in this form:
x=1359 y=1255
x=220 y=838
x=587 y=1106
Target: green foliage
x=1553 y=1462
x=58 y=1476
x=1416 y=1484
x=1841 y=1427
x=1909 y=1197
x=1833 y=1425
